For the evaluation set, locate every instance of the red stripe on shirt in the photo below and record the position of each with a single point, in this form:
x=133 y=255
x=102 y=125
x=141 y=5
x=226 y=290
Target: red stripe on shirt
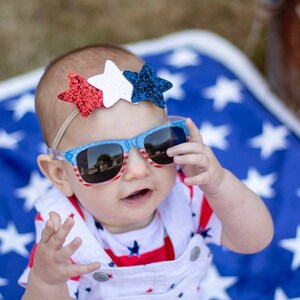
x=181 y=176
x=76 y=278
x=166 y=252
x=74 y=202
x=205 y=215
x=32 y=254
x=38 y=217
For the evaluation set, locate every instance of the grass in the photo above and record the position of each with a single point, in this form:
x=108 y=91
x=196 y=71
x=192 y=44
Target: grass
x=33 y=32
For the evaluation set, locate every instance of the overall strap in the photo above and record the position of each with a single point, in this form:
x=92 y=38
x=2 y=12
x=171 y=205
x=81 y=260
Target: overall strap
x=177 y=217
x=90 y=250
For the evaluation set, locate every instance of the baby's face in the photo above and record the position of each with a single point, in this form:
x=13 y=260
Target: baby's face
x=129 y=202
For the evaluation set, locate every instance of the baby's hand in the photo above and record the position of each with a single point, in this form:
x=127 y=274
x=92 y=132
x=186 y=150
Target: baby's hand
x=52 y=264
x=198 y=162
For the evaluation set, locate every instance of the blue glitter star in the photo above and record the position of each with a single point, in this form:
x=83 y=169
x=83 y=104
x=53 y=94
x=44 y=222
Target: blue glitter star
x=88 y=289
x=134 y=250
x=148 y=86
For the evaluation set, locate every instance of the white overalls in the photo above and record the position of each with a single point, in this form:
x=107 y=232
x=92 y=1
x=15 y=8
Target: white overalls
x=177 y=279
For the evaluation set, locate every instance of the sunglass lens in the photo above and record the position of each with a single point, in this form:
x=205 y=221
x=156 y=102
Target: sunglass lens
x=157 y=143
x=100 y=163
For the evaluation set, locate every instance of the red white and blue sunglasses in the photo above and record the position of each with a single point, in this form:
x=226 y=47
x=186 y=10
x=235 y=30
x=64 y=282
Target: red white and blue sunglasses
x=104 y=161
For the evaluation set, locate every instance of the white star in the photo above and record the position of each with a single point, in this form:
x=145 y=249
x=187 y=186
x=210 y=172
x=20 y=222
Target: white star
x=37 y=187
x=215 y=136
x=298 y=192
x=176 y=92
x=214 y=286
x=22 y=106
x=223 y=92
x=183 y=57
x=293 y=245
x=272 y=139
x=12 y=240
x=42 y=148
x=261 y=184
x=3 y=282
x=280 y=295
x=113 y=84
x=10 y=141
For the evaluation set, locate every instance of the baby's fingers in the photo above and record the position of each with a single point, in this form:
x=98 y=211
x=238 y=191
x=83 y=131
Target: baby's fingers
x=47 y=231
x=57 y=240
x=194 y=160
x=195 y=136
x=64 y=254
x=77 y=270
x=51 y=226
x=199 y=179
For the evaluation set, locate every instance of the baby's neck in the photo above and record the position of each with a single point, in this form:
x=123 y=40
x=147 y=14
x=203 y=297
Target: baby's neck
x=129 y=227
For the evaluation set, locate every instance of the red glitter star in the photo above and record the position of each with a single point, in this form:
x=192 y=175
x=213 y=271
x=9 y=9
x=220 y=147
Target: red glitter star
x=82 y=94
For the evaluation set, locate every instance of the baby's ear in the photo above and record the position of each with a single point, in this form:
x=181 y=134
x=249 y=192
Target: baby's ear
x=54 y=170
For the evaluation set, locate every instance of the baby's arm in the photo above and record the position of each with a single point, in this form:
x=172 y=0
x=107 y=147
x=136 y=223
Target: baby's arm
x=52 y=267
x=246 y=222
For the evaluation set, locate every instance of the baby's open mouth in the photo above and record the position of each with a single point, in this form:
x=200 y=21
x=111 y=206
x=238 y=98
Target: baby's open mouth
x=138 y=194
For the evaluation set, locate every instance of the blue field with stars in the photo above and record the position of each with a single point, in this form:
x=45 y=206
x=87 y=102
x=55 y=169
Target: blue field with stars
x=248 y=128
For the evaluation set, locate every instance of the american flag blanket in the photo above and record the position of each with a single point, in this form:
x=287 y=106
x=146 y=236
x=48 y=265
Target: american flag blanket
x=249 y=129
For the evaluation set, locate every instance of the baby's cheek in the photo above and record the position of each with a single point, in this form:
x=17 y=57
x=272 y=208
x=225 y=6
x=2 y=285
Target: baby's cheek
x=167 y=177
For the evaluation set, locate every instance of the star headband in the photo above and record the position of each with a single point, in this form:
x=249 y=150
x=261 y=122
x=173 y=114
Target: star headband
x=104 y=90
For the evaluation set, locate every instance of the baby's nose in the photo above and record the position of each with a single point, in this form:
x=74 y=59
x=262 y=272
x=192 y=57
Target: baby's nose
x=137 y=166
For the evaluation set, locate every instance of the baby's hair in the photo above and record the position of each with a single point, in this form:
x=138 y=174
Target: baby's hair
x=86 y=61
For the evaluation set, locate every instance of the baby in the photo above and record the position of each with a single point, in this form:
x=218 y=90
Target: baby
x=136 y=195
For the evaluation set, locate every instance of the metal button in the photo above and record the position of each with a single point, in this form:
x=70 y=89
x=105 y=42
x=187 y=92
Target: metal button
x=101 y=276
x=195 y=253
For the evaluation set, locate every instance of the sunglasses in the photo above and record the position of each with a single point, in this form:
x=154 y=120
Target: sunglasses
x=104 y=161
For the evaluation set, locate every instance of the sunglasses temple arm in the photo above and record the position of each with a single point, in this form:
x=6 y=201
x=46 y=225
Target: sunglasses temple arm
x=56 y=154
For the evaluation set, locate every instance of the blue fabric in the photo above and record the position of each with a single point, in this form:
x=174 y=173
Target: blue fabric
x=249 y=131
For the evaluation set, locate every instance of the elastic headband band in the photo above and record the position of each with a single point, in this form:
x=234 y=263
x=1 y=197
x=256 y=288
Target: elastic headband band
x=63 y=128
